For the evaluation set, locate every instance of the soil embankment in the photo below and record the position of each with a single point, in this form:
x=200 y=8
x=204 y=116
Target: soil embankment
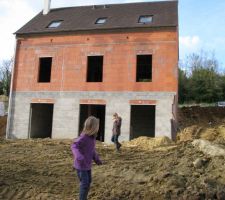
x=202 y=122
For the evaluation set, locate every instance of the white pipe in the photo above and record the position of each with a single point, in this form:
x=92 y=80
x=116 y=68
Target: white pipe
x=47 y=4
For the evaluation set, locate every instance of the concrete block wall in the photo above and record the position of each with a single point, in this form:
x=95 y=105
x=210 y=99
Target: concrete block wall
x=65 y=118
x=20 y=116
x=122 y=107
x=66 y=112
x=163 y=117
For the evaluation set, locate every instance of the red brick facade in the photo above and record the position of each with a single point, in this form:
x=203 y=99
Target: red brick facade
x=69 y=61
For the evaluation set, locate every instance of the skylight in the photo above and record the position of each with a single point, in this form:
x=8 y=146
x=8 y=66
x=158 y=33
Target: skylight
x=101 y=20
x=145 y=19
x=54 y=24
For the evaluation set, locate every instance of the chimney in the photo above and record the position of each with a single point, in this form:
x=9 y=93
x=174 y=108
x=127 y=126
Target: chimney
x=46 y=9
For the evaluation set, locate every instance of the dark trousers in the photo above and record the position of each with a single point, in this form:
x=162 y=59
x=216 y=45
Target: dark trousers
x=85 y=182
x=114 y=139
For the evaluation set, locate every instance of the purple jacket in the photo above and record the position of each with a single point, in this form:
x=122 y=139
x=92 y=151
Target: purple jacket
x=83 y=150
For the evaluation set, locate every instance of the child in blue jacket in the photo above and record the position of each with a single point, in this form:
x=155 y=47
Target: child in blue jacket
x=83 y=150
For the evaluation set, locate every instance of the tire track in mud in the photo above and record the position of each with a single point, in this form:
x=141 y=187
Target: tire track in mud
x=10 y=194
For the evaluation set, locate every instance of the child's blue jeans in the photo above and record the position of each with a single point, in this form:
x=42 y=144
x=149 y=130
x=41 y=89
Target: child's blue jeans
x=85 y=182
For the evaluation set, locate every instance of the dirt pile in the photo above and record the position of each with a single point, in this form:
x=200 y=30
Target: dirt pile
x=3 y=121
x=216 y=133
x=201 y=116
x=202 y=123
x=148 y=143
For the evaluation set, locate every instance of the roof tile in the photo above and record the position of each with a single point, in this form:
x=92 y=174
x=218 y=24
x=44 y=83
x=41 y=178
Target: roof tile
x=83 y=18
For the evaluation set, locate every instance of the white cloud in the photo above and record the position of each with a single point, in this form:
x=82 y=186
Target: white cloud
x=14 y=14
x=189 y=41
x=188 y=45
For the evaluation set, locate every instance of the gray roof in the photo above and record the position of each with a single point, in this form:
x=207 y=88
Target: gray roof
x=119 y=16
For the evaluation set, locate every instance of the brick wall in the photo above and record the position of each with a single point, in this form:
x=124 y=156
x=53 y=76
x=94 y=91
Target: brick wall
x=69 y=64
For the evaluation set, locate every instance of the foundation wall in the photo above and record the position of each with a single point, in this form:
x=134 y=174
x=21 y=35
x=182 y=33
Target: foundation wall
x=66 y=111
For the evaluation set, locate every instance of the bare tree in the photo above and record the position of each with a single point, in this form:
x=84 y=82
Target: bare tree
x=5 y=76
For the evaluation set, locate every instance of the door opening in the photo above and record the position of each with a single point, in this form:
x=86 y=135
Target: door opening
x=41 y=115
x=142 y=121
x=98 y=111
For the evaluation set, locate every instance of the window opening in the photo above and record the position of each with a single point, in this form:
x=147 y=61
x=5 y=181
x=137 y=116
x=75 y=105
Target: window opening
x=45 y=65
x=94 y=68
x=144 y=68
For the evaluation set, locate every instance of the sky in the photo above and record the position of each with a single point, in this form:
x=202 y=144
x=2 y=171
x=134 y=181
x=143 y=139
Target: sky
x=201 y=23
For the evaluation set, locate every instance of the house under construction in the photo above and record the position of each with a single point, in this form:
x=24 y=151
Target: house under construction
x=96 y=60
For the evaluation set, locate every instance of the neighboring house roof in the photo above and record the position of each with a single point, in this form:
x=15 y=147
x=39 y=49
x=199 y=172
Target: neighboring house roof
x=165 y=14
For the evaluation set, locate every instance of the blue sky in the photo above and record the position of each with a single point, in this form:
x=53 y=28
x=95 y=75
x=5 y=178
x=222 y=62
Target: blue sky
x=201 y=23
x=202 y=26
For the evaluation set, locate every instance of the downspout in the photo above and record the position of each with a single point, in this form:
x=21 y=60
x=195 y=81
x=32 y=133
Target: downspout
x=11 y=90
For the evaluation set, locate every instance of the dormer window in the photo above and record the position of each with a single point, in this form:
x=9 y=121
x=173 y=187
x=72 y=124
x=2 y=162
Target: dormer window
x=54 y=24
x=101 y=20
x=145 y=19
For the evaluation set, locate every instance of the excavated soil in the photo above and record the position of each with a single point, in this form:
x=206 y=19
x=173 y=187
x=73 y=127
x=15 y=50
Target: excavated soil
x=144 y=169
x=3 y=121
x=202 y=123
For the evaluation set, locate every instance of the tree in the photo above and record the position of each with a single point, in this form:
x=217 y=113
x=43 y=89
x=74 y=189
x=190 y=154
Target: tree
x=203 y=81
x=5 y=76
x=222 y=85
x=204 y=85
x=182 y=86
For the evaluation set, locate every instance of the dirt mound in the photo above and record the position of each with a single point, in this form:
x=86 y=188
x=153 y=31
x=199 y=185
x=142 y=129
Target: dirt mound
x=148 y=143
x=3 y=121
x=202 y=123
x=201 y=116
x=216 y=133
x=189 y=133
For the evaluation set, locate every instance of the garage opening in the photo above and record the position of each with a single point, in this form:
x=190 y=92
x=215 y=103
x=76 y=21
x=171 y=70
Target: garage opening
x=41 y=120
x=98 y=111
x=142 y=121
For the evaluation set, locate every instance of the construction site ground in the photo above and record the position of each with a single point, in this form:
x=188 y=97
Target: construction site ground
x=146 y=168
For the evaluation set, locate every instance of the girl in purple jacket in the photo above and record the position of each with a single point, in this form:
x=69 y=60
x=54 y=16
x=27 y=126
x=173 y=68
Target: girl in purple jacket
x=83 y=150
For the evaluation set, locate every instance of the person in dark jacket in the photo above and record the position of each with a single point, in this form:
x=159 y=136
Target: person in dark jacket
x=116 y=130
x=83 y=150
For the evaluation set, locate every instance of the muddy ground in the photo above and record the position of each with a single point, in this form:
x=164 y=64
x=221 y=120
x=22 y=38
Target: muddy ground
x=144 y=168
